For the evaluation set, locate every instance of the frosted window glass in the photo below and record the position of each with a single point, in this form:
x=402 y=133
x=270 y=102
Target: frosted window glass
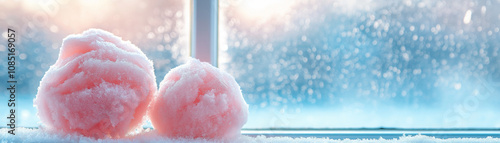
x=364 y=63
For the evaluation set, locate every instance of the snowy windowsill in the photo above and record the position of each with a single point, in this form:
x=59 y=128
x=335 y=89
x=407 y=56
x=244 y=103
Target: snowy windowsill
x=37 y=135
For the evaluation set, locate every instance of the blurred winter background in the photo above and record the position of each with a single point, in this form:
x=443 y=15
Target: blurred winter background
x=300 y=63
x=365 y=63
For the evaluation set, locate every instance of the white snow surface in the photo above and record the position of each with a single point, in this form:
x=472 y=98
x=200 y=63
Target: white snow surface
x=40 y=135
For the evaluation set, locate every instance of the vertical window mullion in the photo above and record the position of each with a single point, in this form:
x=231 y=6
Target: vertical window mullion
x=204 y=32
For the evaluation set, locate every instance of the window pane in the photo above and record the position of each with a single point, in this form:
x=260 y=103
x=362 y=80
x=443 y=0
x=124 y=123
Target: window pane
x=159 y=28
x=364 y=63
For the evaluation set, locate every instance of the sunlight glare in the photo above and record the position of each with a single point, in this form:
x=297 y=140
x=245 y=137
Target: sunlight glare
x=265 y=9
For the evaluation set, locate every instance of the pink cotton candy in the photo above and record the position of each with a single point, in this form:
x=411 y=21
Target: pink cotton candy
x=100 y=86
x=198 y=100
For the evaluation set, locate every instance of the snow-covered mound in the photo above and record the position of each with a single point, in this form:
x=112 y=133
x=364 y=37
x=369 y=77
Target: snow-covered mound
x=99 y=86
x=199 y=100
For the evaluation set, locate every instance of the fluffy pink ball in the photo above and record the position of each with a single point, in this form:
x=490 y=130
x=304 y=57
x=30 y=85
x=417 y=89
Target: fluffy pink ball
x=198 y=100
x=99 y=86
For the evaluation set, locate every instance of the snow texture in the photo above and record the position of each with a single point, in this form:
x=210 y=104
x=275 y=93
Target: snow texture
x=198 y=100
x=100 y=86
x=39 y=135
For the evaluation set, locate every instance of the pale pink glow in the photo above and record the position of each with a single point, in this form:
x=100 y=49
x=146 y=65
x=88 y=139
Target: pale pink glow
x=197 y=100
x=100 y=86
